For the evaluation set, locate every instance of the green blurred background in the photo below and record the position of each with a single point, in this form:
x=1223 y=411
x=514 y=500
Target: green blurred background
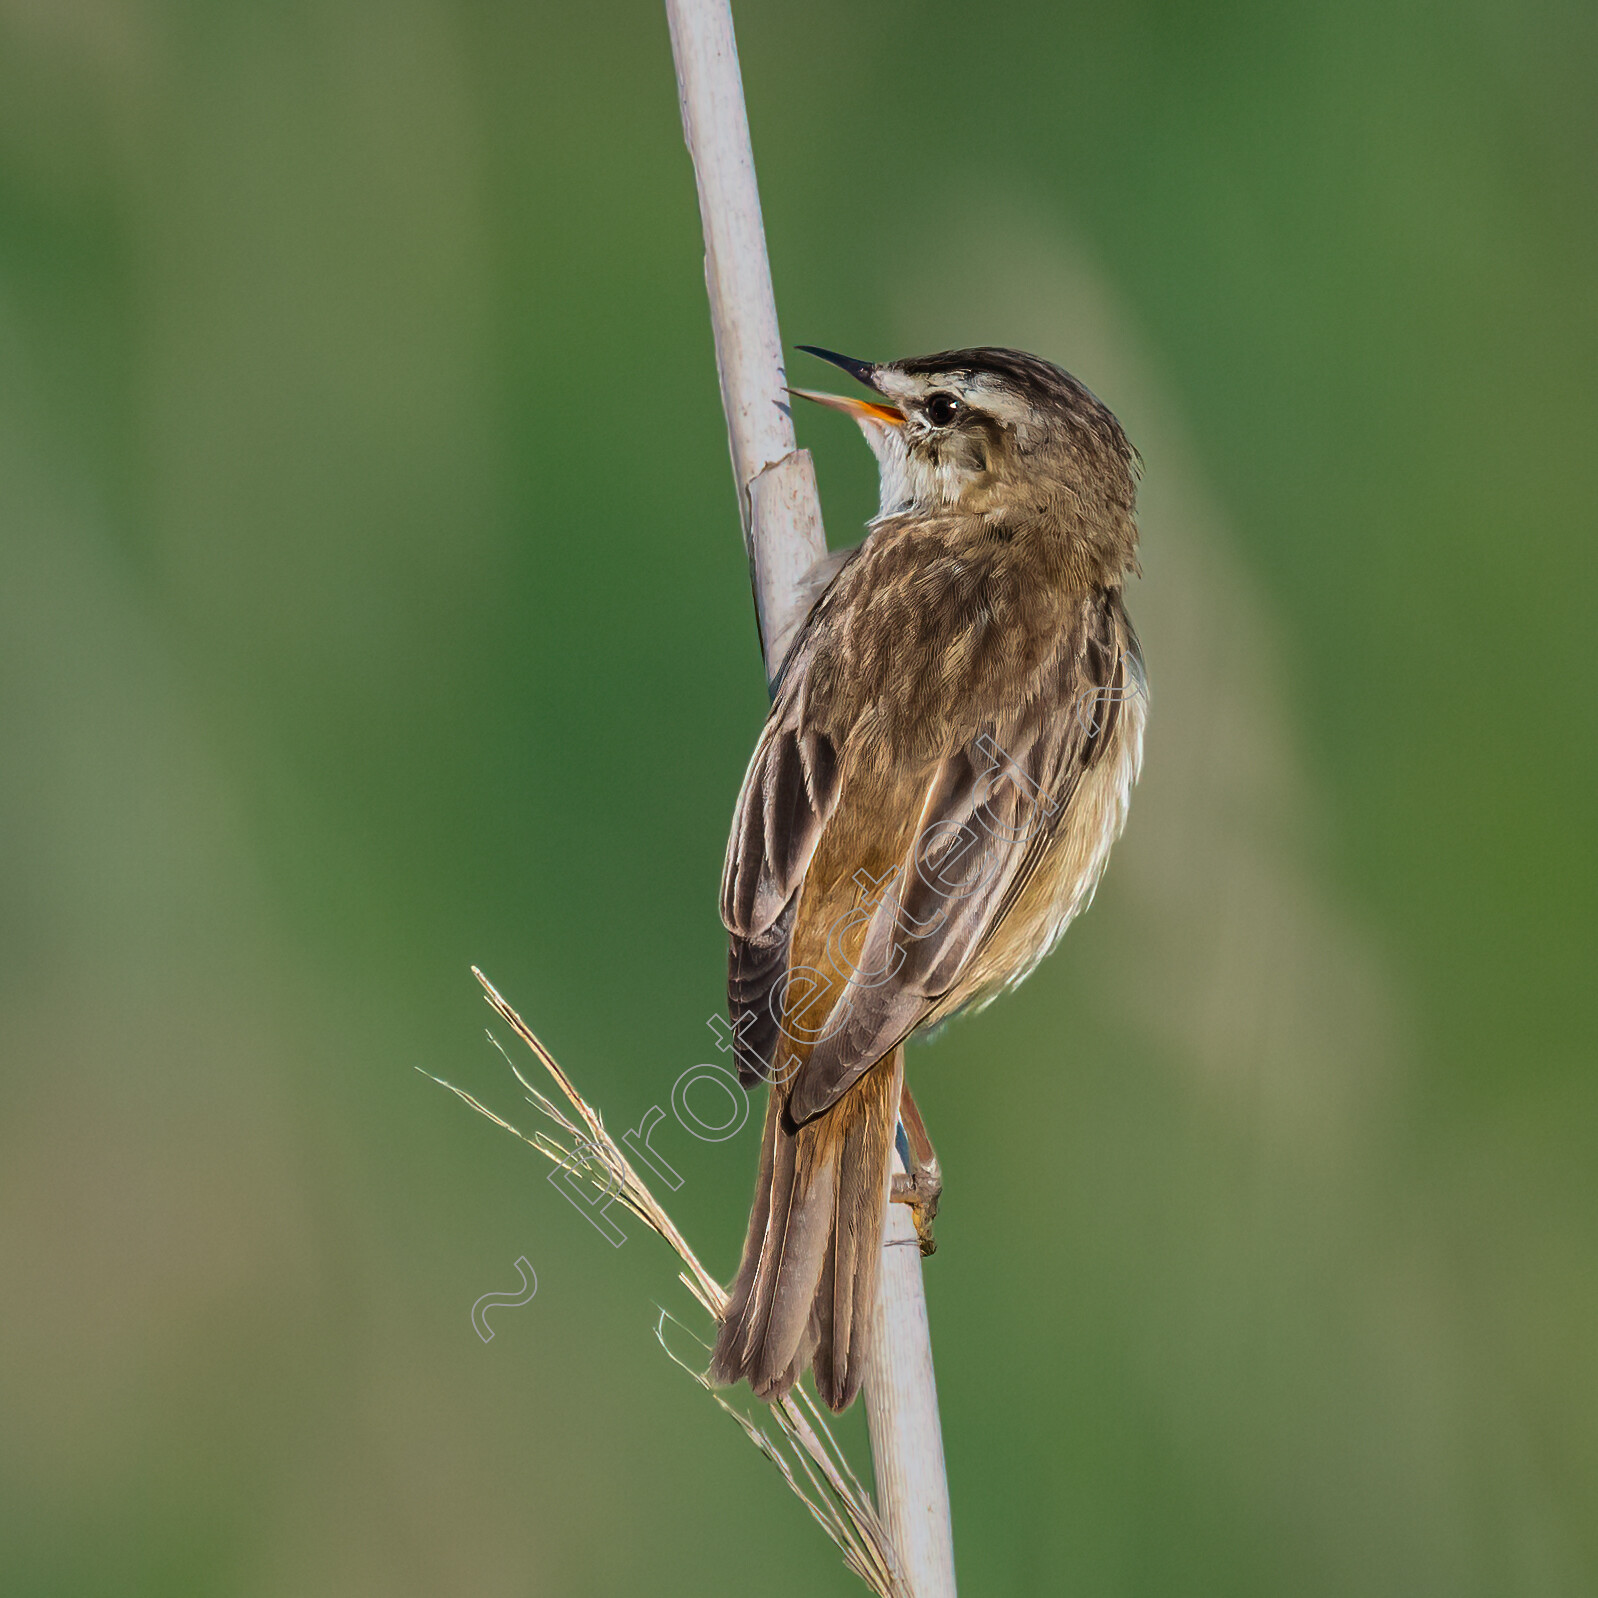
x=371 y=604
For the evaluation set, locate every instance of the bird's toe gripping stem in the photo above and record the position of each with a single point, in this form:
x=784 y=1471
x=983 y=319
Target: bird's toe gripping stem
x=920 y=1183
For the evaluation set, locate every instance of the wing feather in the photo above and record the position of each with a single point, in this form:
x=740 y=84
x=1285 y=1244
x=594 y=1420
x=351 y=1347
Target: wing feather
x=971 y=840
x=991 y=812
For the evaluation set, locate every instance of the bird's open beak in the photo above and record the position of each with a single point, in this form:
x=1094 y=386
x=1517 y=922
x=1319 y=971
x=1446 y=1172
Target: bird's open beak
x=861 y=410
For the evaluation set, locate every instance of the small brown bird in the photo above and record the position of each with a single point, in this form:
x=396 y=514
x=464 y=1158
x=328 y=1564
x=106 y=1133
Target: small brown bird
x=949 y=757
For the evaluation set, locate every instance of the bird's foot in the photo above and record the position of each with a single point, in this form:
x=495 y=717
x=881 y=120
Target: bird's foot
x=920 y=1183
x=921 y=1190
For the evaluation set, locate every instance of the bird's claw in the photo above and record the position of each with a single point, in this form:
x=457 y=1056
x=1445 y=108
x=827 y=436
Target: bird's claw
x=921 y=1190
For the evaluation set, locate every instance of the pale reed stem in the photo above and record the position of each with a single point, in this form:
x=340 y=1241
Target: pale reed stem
x=781 y=517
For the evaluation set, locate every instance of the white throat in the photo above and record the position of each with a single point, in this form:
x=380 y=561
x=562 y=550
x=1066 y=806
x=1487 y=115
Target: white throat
x=908 y=482
x=894 y=494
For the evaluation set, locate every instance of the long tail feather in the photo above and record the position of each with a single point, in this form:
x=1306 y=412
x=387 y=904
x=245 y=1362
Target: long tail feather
x=808 y=1279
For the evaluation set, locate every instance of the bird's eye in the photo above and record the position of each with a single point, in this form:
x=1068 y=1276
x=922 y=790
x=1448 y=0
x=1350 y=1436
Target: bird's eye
x=942 y=409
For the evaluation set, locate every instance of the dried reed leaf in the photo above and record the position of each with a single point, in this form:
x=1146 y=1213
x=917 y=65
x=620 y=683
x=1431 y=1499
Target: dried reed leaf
x=824 y=1481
